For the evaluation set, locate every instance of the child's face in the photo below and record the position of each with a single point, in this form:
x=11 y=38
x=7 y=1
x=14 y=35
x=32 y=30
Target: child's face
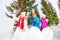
x=44 y=16
x=33 y=14
x=22 y=16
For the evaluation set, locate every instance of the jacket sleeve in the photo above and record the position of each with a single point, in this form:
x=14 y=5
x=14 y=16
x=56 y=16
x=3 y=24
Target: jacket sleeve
x=37 y=21
x=30 y=21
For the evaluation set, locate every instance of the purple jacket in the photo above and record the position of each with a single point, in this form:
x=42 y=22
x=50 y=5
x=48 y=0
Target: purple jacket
x=44 y=23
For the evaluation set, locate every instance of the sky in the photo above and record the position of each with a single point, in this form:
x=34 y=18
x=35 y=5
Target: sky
x=7 y=22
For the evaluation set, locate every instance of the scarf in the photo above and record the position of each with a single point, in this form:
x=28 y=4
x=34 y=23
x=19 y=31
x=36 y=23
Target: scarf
x=21 y=23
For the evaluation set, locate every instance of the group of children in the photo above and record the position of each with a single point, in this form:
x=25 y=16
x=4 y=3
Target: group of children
x=34 y=21
x=33 y=33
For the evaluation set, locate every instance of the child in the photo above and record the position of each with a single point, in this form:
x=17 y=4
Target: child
x=44 y=22
x=22 y=23
x=35 y=21
x=21 y=31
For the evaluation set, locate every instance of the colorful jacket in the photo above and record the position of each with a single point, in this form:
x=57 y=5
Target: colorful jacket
x=35 y=22
x=44 y=23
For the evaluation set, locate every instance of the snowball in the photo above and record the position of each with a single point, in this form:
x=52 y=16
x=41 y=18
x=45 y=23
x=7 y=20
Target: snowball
x=47 y=33
x=34 y=34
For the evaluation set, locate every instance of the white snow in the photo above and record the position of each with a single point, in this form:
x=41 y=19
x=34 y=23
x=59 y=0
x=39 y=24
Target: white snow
x=6 y=24
x=34 y=34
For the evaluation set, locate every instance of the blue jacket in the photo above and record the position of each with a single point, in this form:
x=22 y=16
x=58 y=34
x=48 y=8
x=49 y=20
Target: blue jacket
x=35 y=22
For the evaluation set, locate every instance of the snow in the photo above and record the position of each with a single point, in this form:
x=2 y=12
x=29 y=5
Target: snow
x=6 y=24
x=34 y=34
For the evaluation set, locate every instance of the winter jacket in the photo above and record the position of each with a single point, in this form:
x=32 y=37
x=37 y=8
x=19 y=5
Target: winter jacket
x=35 y=22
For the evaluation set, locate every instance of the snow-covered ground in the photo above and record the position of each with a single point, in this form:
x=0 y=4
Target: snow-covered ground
x=56 y=30
x=6 y=34
x=6 y=24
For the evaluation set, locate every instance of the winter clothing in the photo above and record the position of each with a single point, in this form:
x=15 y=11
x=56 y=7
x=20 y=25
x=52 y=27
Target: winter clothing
x=35 y=22
x=44 y=23
x=21 y=23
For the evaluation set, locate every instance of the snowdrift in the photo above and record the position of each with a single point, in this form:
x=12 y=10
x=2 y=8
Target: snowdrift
x=33 y=34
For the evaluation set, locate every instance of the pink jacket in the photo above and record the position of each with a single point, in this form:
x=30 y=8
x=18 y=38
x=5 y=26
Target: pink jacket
x=44 y=23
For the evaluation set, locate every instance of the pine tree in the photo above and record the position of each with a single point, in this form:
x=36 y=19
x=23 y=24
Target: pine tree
x=59 y=3
x=20 y=5
x=49 y=12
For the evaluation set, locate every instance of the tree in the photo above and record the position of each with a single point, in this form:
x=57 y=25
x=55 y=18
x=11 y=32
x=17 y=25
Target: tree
x=20 y=6
x=59 y=3
x=49 y=12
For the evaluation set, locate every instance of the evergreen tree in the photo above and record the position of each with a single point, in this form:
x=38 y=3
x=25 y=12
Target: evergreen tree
x=49 y=12
x=20 y=5
x=59 y=3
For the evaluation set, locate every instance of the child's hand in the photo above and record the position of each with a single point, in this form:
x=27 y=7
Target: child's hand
x=47 y=20
x=26 y=17
x=29 y=26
